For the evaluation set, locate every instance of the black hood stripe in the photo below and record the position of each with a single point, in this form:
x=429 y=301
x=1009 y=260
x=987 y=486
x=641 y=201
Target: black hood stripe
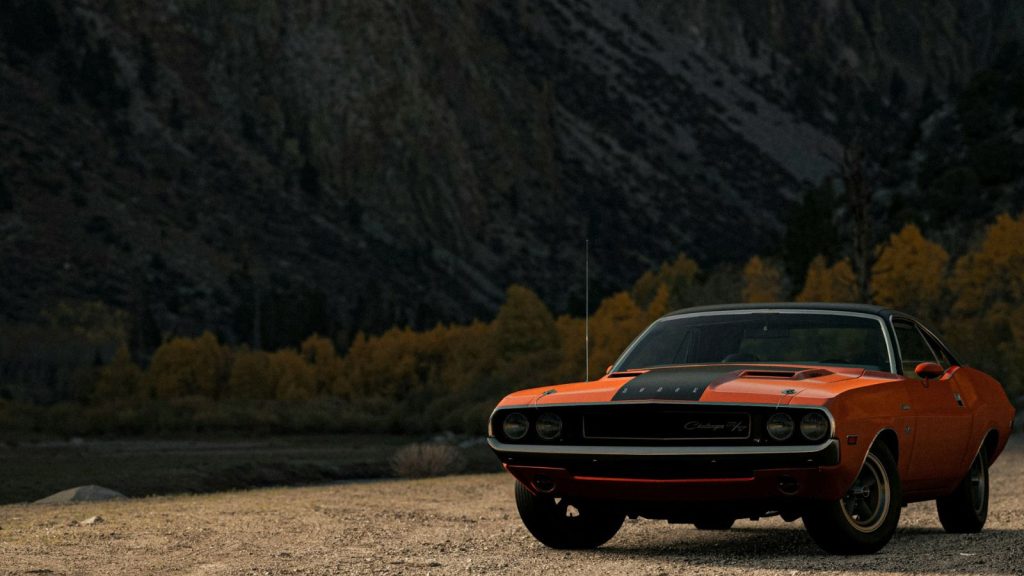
x=678 y=383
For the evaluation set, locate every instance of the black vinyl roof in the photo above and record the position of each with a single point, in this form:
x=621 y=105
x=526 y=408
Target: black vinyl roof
x=834 y=306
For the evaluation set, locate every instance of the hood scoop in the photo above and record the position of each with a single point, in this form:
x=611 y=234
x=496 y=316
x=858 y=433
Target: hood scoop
x=786 y=374
x=627 y=374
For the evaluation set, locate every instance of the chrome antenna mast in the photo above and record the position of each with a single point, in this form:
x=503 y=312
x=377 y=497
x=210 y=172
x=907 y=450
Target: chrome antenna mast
x=586 y=311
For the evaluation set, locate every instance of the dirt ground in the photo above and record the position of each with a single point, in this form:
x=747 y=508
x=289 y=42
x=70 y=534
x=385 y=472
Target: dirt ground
x=461 y=525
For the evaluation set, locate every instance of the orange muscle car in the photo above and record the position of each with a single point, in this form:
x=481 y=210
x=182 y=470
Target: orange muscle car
x=838 y=414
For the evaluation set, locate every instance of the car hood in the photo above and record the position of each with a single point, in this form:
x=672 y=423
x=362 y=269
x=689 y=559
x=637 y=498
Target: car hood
x=760 y=383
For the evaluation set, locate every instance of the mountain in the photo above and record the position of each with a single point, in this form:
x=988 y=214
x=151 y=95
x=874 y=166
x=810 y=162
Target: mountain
x=352 y=165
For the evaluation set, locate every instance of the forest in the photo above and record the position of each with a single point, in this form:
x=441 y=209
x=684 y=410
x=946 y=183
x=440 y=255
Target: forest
x=78 y=375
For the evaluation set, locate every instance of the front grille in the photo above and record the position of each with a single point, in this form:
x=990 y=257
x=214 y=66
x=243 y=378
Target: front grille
x=656 y=424
x=667 y=425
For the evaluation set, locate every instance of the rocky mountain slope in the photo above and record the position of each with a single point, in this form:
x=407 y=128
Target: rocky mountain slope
x=352 y=165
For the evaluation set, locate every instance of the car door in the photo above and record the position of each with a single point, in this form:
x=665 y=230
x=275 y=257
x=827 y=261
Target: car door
x=942 y=422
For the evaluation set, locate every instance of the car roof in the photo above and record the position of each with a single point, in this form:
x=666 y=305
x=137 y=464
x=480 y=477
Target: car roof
x=827 y=306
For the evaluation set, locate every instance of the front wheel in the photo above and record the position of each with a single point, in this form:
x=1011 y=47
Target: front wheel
x=559 y=523
x=966 y=509
x=864 y=520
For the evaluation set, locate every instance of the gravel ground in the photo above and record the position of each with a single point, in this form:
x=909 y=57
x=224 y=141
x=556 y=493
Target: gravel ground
x=460 y=525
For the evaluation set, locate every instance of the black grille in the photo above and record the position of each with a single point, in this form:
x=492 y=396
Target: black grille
x=667 y=425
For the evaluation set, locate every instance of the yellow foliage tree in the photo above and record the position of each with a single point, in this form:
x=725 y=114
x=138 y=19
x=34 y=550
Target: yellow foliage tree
x=470 y=356
x=910 y=273
x=294 y=379
x=320 y=354
x=251 y=376
x=380 y=365
x=572 y=350
x=617 y=321
x=524 y=325
x=762 y=281
x=988 y=311
x=187 y=367
x=678 y=276
x=995 y=271
x=120 y=379
x=825 y=283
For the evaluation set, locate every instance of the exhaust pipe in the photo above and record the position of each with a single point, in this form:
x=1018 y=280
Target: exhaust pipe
x=543 y=484
x=788 y=485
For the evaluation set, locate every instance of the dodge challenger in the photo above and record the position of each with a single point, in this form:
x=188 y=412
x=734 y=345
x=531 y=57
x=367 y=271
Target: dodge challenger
x=836 y=414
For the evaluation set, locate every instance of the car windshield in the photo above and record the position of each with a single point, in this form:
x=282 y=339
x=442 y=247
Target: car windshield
x=832 y=339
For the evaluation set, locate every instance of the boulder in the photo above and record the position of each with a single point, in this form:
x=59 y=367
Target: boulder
x=90 y=493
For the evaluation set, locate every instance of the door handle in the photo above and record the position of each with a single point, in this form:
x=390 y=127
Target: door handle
x=959 y=400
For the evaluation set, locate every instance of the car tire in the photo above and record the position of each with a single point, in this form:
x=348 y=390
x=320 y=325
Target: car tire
x=865 y=518
x=552 y=522
x=715 y=523
x=966 y=509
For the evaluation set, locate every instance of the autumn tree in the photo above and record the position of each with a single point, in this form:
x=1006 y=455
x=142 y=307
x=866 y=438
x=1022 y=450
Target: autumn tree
x=678 y=276
x=572 y=350
x=988 y=310
x=762 y=281
x=617 y=321
x=825 y=283
x=909 y=273
x=120 y=379
x=294 y=378
x=992 y=274
x=524 y=325
x=187 y=367
x=250 y=376
x=380 y=366
x=319 y=353
x=470 y=355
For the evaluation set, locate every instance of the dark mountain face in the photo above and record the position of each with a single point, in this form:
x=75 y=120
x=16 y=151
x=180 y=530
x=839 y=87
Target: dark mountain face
x=343 y=166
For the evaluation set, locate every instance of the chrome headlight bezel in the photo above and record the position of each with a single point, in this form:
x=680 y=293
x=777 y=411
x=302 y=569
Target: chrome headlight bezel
x=814 y=426
x=780 y=426
x=548 y=426
x=517 y=421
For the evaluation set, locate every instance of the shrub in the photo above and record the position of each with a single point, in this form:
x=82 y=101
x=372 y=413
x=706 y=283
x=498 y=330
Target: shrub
x=188 y=366
x=427 y=459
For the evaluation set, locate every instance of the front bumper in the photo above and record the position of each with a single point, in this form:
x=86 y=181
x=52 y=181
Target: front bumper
x=676 y=473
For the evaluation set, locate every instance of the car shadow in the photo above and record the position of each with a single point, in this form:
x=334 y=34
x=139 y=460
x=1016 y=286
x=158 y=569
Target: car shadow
x=912 y=549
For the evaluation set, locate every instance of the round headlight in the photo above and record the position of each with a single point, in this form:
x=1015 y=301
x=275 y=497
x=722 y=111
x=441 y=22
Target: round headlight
x=780 y=426
x=549 y=426
x=814 y=426
x=515 y=426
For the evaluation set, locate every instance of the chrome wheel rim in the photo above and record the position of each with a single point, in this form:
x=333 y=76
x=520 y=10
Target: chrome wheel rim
x=866 y=504
x=979 y=484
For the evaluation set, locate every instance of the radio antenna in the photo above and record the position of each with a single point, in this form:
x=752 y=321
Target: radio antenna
x=586 y=312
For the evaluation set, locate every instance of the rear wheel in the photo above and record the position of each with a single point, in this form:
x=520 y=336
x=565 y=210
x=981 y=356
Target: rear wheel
x=559 y=523
x=966 y=509
x=864 y=520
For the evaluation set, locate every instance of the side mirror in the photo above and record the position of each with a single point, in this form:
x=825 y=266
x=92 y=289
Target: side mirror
x=929 y=370
x=608 y=370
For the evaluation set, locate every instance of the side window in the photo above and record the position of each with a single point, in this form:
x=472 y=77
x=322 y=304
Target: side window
x=913 y=348
x=945 y=360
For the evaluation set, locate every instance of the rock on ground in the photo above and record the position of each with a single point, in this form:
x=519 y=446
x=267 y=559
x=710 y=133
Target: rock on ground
x=90 y=493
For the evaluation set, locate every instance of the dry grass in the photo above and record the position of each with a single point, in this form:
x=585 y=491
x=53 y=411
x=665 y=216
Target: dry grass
x=427 y=459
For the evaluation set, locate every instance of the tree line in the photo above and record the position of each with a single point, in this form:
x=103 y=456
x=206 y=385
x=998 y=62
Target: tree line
x=449 y=377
